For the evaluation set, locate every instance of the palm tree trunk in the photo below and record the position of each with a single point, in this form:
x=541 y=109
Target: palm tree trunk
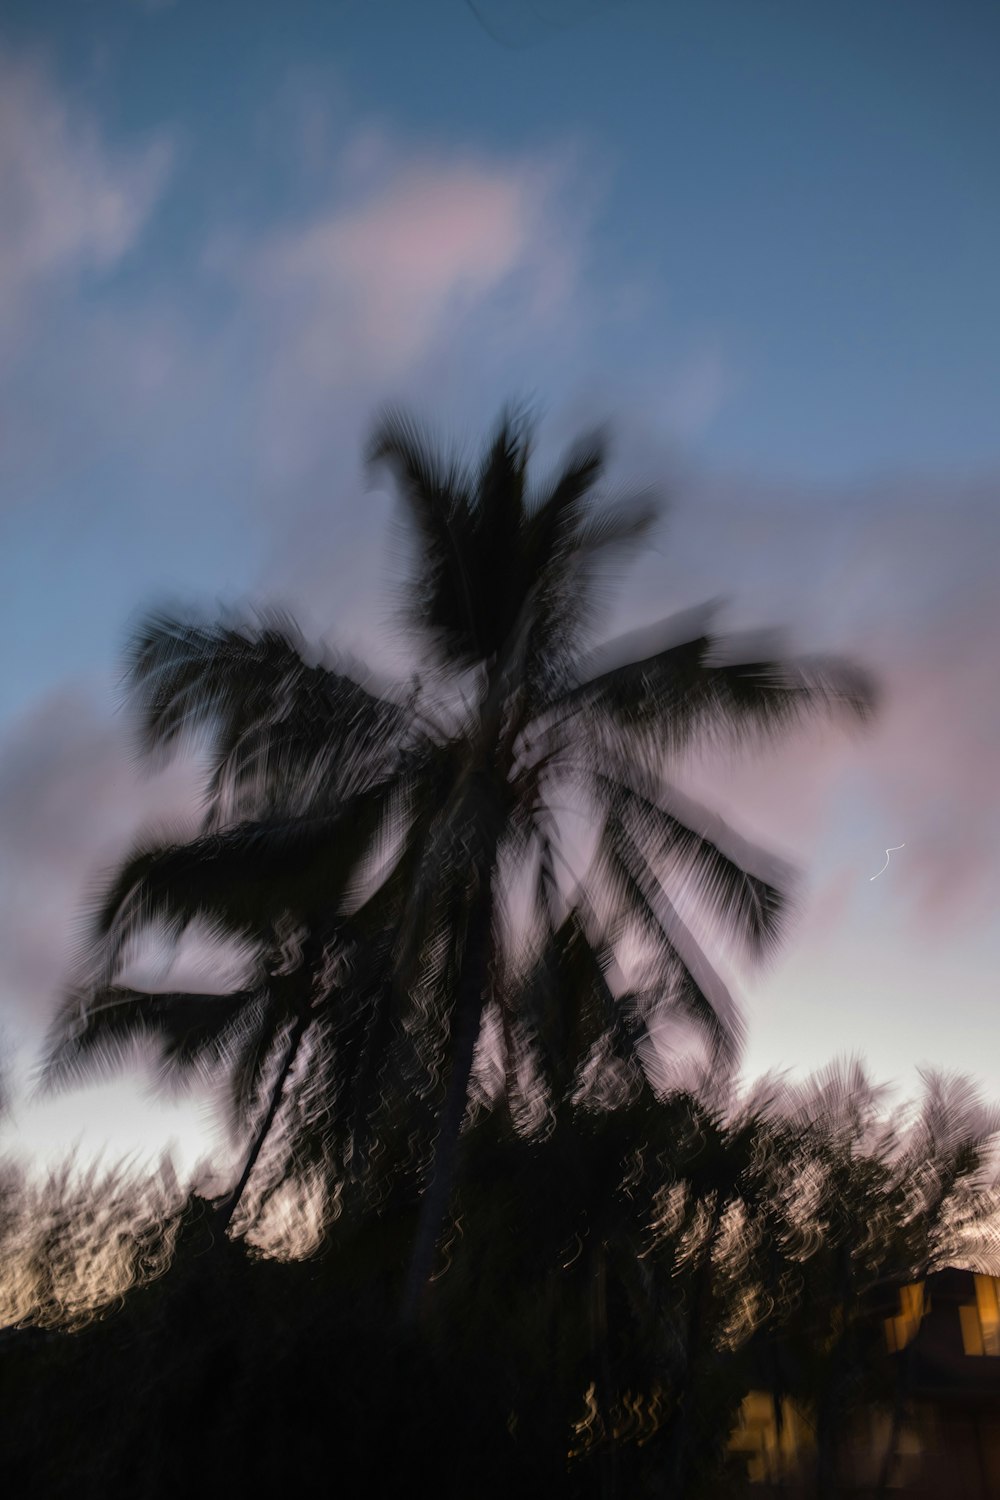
x=229 y=1205
x=471 y=999
x=830 y=1412
x=696 y=1334
x=607 y=1458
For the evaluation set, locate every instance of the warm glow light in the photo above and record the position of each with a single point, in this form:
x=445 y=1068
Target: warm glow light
x=901 y=1329
x=981 y=1319
x=771 y=1450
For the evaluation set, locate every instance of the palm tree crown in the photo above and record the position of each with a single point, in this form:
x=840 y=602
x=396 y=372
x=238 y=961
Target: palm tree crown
x=422 y=843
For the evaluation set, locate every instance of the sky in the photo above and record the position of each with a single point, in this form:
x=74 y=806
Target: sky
x=759 y=237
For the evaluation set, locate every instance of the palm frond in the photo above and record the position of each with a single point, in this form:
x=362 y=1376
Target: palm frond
x=282 y=731
x=743 y=887
x=953 y=1114
x=568 y=543
x=183 y=676
x=254 y=1059
x=239 y=881
x=567 y=1013
x=328 y=738
x=571 y=598
x=699 y=688
x=96 y=1033
x=691 y=985
x=557 y=519
x=436 y=496
x=621 y=527
x=499 y=487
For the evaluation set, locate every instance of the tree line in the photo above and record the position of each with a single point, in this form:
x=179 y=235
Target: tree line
x=474 y=902
x=606 y=1292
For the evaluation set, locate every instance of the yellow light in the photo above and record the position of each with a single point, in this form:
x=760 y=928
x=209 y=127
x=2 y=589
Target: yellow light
x=981 y=1319
x=901 y=1329
x=989 y=1313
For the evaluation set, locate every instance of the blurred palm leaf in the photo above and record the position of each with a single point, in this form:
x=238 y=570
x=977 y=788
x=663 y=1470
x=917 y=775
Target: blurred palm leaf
x=397 y=830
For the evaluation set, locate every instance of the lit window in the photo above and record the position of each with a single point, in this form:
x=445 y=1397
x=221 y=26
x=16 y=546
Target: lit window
x=981 y=1319
x=768 y=1452
x=901 y=1329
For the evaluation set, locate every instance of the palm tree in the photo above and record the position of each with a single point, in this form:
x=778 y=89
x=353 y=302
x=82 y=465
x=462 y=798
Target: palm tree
x=891 y=1196
x=397 y=831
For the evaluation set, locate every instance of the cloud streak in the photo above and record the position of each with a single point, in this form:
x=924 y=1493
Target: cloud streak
x=898 y=574
x=71 y=801
x=422 y=266
x=69 y=203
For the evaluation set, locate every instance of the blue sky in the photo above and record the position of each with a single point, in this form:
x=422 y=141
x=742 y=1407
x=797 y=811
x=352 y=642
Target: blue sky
x=761 y=237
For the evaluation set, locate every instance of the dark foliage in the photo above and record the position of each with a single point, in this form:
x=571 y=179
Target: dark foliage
x=605 y=1295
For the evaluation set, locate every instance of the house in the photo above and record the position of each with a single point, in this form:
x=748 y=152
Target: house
x=941 y=1341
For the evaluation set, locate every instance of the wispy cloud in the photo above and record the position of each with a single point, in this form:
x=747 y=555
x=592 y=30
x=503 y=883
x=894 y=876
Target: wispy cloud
x=428 y=275
x=407 y=269
x=71 y=800
x=371 y=285
x=418 y=262
x=69 y=203
x=897 y=574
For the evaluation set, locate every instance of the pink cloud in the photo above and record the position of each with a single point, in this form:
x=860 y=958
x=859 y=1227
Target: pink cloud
x=374 y=282
x=68 y=202
x=899 y=577
x=416 y=259
x=71 y=801
x=75 y=374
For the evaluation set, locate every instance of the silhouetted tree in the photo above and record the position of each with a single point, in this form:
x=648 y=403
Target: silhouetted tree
x=394 y=830
x=613 y=1278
